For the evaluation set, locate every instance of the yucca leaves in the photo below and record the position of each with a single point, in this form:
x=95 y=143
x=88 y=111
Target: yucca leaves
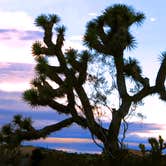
x=36 y=48
x=71 y=55
x=31 y=96
x=21 y=123
x=60 y=30
x=132 y=67
x=130 y=41
x=42 y=66
x=122 y=15
x=162 y=57
x=90 y=37
x=60 y=35
x=26 y=124
x=17 y=119
x=139 y=18
x=85 y=56
x=43 y=20
x=117 y=20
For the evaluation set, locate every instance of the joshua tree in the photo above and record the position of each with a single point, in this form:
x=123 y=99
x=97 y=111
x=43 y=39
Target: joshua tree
x=107 y=36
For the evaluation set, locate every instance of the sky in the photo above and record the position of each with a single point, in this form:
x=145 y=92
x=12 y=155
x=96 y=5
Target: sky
x=18 y=32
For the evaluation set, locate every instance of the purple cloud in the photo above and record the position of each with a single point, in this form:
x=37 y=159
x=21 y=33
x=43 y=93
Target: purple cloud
x=31 y=35
x=9 y=34
x=15 y=74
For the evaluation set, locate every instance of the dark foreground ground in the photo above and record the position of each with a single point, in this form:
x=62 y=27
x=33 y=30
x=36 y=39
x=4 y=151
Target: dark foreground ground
x=30 y=156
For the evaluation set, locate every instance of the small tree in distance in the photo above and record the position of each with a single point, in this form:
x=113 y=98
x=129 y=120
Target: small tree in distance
x=107 y=36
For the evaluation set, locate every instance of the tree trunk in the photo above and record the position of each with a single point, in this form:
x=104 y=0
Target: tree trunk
x=111 y=145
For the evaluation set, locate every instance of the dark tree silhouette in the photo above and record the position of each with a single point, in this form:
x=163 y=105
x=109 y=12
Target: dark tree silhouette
x=107 y=36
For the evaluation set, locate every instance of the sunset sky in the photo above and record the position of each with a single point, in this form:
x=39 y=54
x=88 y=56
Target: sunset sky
x=18 y=32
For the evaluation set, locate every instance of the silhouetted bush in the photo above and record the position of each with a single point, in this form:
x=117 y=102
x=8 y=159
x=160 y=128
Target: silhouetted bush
x=9 y=156
x=36 y=157
x=157 y=146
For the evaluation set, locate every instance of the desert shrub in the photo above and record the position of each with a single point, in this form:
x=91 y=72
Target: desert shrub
x=9 y=156
x=36 y=157
x=154 y=155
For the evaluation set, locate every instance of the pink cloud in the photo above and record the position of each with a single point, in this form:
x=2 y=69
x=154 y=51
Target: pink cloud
x=64 y=140
x=14 y=34
x=15 y=76
x=12 y=101
x=154 y=131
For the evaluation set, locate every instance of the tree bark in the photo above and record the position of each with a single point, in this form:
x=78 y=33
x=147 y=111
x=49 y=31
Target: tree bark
x=114 y=132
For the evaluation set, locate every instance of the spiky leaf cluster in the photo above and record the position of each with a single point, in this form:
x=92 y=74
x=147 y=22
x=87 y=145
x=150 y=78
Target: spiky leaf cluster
x=31 y=96
x=36 y=48
x=132 y=67
x=109 y=33
x=40 y=94
x=60 y=35
x=44 y=20
x=162 y=56
x=42 y=66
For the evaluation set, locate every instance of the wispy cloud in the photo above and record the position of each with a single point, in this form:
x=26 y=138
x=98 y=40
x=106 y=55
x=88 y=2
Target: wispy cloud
x=13 y=102
x=74 y=44
x=15 y=76
x=14 y=34
x=152 y=19
x=71 y=150
x=76 y=38
x=92 y=14
x=16 y=27
x=140 y=132
x=154 y=131
x=16 y=20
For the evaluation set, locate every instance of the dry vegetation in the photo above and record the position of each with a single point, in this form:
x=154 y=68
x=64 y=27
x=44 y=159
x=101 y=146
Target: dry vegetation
x=32 y=156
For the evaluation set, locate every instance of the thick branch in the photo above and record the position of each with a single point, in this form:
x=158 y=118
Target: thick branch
x=54 y=77
x=59 y=107
x=60 y=40
x=95 y=129
x=158 y=88
x=36 y=134
x=48 y=35
x=161 y=76
x=47 y=51
x=71 y=102
x=101 y=32
x=142 y=80
x=143 y=93
x=75 y=64
x=86 y=105
x=120 y=76
x=81 y=121
x=82 y=73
